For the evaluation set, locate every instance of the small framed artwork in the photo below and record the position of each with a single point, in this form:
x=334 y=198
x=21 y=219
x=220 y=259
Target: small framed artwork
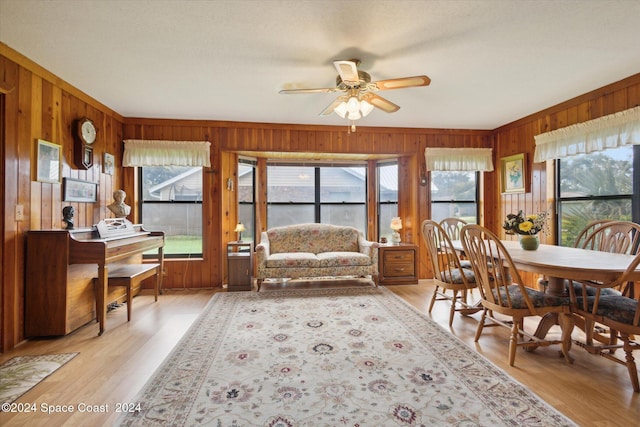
x=513 y=173
x=48 y=162
x=108 y=164
x=76 y=190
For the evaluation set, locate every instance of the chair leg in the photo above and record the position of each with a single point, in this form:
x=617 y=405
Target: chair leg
x=513 y=341
x=452 y=310
x=631 y=363
x=433 y=298
x=588 y=331
x=481 y=325
x=129 y=301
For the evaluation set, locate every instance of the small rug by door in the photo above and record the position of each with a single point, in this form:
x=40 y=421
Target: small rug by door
x=329 y=357
x=20 y=374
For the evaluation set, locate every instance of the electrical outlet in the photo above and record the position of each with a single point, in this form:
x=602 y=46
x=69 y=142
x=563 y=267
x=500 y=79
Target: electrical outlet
x=19 y=212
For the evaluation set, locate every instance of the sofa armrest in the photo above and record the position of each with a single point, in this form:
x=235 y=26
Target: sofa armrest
x=262 y=249
x=369 y=248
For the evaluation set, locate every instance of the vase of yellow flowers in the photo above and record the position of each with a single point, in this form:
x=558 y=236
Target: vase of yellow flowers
x=527 y=228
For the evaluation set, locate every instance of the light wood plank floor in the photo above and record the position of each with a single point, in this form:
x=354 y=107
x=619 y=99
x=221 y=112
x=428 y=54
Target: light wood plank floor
x=114 y=367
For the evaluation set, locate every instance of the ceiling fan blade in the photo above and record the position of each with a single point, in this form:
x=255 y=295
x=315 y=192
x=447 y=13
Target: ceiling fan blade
x=380 y=102
x=402 y=82
x=318 y=90
x=331 y=107
x=348 y=71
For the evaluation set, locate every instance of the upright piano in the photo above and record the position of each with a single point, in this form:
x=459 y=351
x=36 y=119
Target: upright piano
x=60 y=270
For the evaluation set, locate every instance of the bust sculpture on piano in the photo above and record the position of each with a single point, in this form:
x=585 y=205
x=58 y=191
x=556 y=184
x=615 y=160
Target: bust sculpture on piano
x=67 y=216
x=119 y=208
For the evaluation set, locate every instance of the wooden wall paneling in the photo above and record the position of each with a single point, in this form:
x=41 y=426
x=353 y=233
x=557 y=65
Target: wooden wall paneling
x=229 y=203
x=10 y=312
x=261 y=197
x=322 y=141
x=633 y=96
x=213 y=226
x=372 y=202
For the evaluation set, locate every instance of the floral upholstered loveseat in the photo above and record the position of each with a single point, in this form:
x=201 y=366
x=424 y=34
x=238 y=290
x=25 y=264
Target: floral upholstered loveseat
x=315 y=250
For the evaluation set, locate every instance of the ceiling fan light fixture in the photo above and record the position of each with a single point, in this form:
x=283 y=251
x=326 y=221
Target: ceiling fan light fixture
x=341 y=109
x=354 y=116
x=365 y=108
x=353 y=105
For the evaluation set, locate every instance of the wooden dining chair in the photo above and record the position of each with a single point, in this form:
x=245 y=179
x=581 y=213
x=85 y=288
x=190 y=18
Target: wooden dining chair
x=452 y=227
x=621 y=314
x=587 y=231
x=448 y=274
x=610 y=236
x=504 y=293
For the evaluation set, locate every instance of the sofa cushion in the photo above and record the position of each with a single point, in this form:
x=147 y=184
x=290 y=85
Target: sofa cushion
x=293 y=260
x=314 y=238
x=339 y=259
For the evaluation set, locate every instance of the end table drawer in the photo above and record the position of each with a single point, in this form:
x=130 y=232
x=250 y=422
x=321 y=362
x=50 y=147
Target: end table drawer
x=399 y=269
x=398 y=256
x=398 y=264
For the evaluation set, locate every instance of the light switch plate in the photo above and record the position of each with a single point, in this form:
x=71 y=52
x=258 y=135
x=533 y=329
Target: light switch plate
x=19 y=212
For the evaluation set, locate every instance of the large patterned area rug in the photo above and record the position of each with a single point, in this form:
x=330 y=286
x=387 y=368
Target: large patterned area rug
x=331 y=357
x=20 y=374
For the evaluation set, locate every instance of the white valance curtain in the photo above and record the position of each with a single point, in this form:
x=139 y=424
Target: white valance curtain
x=139 y=152
x=459 y=159
x=614 y=130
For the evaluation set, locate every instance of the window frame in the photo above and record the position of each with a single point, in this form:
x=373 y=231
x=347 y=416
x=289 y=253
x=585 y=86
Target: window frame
x=142 y=203
x=475 y=202
x=317 y=203
x=634 y=196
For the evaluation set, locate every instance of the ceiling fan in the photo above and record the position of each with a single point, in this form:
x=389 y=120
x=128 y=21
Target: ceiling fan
x=359 y=97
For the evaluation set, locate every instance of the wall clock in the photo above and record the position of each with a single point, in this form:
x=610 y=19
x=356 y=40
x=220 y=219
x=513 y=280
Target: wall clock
x=84 y=135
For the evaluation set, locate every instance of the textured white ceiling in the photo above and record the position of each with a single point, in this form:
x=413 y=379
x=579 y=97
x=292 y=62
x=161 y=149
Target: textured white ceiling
x=490 y=61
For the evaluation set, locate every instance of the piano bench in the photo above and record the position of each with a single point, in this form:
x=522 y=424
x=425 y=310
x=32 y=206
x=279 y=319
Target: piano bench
x=130 y=276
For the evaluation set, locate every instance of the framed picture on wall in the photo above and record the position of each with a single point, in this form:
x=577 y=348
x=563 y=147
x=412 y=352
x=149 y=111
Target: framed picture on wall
x=513 y=173
x=108 y=164
x=76 y=190
x=48 y=162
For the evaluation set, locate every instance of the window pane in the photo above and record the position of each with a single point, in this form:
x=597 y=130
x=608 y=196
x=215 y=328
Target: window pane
x=343 y=185
x=349 y=215
x=181 y=223
x=592 y=187
x=605 y=173
x=172 y=202
x=448 y=186
x=387 y=198
x=465 y=211
x=281 y=215
x=386 y=212
x=453 y=194
x=290 y=184
x=575 y=215
x=245 y=183
x=171 y=183
x=340 y=198
x=246 y=207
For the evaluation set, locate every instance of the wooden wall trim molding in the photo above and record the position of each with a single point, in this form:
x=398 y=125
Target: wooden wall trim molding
x=140 y=121
x=40 y=71
x=594 y=95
